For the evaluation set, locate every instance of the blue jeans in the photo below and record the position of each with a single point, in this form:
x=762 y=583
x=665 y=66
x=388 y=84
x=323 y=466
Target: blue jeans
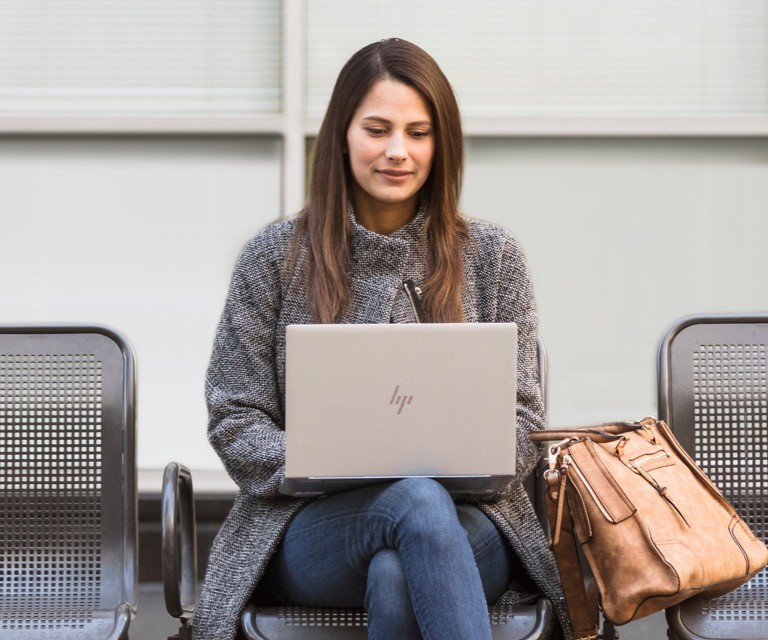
x=422 y=566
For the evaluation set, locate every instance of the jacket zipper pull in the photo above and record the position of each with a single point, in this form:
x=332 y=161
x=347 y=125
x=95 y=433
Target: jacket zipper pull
x=413 y=292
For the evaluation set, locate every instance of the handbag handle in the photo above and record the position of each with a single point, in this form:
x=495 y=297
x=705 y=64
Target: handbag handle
x=602 y=433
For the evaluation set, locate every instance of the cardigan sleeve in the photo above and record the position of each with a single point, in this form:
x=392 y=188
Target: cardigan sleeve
x=516 y=304
x=244 y=408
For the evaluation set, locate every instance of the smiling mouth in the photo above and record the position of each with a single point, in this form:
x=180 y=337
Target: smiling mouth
x=394 y=173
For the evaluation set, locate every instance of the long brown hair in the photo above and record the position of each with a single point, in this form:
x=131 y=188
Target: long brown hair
x=324 y=219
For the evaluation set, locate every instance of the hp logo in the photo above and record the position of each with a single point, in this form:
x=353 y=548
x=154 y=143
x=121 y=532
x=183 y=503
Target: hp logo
x=400 y=401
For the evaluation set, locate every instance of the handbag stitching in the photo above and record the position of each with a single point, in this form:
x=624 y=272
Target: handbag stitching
x=584 y=512
x=732 y=526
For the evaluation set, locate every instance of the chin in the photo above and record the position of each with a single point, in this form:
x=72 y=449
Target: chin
x=394 y=199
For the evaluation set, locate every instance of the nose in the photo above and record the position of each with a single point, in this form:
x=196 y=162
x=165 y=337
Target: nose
x=396 y=151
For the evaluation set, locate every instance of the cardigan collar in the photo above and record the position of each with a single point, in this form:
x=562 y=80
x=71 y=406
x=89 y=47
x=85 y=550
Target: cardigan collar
x=378 y=265
x=366 y=239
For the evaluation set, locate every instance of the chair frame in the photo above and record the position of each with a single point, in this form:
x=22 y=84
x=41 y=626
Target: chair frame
x=127 y=582
x=678 y=628
x=179 y=546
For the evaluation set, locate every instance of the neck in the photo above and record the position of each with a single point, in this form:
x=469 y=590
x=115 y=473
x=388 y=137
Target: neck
x=383 y=218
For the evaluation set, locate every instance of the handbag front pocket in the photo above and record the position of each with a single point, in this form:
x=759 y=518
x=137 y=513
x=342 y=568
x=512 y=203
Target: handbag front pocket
x=599 y=484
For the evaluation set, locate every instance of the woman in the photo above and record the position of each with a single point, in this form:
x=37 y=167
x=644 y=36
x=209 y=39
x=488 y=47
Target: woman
x=382 y=209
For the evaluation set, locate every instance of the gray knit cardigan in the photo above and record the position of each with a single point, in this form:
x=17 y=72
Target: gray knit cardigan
x=245 y=391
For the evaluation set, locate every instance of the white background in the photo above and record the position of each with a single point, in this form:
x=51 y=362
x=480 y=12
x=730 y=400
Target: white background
x=624 y=232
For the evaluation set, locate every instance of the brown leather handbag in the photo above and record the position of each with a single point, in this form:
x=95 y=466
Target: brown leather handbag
x=652 y=527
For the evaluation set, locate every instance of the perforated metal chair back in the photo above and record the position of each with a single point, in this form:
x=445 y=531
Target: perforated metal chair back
x=520 y=622
x=67 y=483
x=713 y=392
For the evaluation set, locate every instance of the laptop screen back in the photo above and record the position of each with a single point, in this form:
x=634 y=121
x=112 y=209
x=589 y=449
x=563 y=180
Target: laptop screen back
x=400 y=400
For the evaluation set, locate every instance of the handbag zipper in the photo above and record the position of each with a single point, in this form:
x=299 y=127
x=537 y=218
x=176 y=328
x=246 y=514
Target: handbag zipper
x=660 y=455
x=640 y=470
x=568 y=463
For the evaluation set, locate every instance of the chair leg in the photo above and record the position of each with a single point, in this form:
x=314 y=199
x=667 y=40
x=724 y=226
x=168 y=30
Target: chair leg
x=185 y=633
x=609 y=630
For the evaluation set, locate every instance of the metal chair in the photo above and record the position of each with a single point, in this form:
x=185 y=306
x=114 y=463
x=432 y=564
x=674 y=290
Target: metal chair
x=67 y=483
x=521 y=622
x=713 y=392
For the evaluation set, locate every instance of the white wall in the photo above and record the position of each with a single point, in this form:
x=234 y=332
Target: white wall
x=625 y=236
x=140 y=234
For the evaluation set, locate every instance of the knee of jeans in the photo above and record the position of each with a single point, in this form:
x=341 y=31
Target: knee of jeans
x=386 y=579
x=424 y=509
x=423 y=494
x=385 y=568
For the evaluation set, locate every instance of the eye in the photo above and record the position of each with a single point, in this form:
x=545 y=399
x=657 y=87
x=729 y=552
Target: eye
x=375 y=131
x=420 y=134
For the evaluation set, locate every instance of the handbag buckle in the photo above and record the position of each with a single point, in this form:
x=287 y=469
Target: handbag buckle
x=555 y=449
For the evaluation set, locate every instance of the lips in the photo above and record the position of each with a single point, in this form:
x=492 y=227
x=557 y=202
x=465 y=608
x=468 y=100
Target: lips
x=395 y=176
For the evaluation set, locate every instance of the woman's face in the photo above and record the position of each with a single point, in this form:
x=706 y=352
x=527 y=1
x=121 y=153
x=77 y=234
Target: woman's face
x=390 y=143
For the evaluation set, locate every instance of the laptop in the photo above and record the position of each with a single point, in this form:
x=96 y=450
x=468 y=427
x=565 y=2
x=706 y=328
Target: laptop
x=368 y=403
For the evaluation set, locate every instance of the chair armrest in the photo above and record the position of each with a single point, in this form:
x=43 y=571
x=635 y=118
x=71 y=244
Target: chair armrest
x=179 y=541
x=123 y=616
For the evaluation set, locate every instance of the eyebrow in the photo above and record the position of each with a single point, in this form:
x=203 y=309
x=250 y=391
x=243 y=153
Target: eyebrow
x=420 y=123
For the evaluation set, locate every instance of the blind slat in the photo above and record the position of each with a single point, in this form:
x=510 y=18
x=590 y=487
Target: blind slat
x=563 y=57
x=146 y=57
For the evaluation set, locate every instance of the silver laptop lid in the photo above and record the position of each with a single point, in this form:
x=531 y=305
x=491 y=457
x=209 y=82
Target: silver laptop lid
x=400 y=400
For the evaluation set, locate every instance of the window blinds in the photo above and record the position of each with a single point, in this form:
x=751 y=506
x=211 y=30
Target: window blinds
x=139 y=57
x=538 y=58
